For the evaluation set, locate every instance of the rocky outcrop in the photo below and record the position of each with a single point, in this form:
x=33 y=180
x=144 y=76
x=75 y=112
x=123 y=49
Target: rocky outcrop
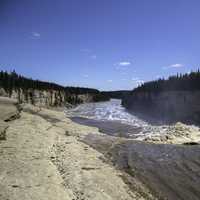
x=168 y=106
x=49 y=98
x=45 y=94
x=178 y=133
x=45 y=98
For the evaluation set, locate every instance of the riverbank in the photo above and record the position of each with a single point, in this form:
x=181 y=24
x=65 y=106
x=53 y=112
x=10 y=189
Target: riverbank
x=177 y=133
x=170 y=171
x=42 y=157
x=45 y=155
x=113 y=119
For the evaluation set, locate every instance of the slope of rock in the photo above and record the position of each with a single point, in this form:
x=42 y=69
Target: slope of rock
x=42 y=158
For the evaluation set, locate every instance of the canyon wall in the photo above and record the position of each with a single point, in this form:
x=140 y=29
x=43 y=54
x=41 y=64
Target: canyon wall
x=170 y=106
x=45 y=98
x=49 y=98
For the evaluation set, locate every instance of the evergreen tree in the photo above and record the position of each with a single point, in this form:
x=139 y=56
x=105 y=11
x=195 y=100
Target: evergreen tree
x=14 y=82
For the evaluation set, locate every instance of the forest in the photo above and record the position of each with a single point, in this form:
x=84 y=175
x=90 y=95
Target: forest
x=189 y=82
x=13 y=81
x=120 y=94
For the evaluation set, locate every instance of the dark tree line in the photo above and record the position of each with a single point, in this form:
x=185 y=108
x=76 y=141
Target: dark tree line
x=120 y=94
x=189 y=82
x=13 y=81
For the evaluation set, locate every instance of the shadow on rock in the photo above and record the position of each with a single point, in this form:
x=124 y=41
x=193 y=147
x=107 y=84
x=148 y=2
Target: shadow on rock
x=169 y=171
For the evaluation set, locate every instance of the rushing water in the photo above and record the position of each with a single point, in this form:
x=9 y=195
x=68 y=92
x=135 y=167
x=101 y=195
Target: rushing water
x=109 y=110
x=172 y=171
x=114 y=115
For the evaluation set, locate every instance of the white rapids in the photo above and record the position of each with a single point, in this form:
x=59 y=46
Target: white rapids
x=113 y=111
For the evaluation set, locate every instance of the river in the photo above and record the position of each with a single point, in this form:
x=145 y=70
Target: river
x=169 y=171
x=113 y=119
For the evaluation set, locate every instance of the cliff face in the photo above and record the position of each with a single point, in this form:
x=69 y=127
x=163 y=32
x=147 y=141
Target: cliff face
x=42 y=93
x=47 y=98
x=40 y=98
x=166 y=106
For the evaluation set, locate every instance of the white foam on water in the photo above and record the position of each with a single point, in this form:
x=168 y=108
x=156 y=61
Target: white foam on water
x=112 y=111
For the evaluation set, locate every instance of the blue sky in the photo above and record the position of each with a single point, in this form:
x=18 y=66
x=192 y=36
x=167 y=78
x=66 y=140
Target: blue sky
x=104 y=44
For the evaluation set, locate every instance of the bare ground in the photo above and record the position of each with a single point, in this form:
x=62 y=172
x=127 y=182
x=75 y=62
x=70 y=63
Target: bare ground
x=43 y=158
x=45 y=155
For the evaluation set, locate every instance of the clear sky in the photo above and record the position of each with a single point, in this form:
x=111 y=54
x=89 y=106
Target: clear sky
x=104 y=44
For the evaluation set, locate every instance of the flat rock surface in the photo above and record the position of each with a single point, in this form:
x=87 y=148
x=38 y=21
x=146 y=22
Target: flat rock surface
x=26 y=171
x=47 y=156
x=43 y=159
x=7 y=108
x=170 y=171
